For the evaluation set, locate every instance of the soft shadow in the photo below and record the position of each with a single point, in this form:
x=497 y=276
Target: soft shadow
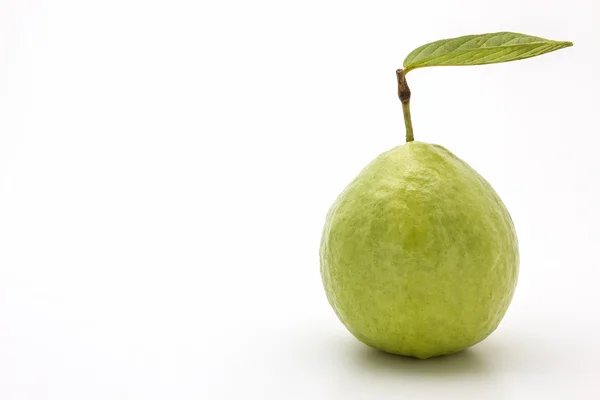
x=467 y=362
x=354 y=369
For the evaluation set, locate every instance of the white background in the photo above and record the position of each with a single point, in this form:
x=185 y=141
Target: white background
x=166 y=168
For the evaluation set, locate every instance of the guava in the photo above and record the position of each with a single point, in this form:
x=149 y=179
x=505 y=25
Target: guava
x=419 y=256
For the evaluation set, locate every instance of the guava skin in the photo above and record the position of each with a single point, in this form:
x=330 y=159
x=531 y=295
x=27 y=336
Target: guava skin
x=419 y=256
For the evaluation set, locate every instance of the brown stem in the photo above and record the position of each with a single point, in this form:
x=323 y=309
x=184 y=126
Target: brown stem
x=404 y=96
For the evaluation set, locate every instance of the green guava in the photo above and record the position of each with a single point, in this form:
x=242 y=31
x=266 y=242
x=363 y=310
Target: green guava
x=419 y=256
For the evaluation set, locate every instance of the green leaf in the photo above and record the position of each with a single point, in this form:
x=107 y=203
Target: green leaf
x=490 y=48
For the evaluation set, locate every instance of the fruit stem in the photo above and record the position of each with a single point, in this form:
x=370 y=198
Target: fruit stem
x=404 y=96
